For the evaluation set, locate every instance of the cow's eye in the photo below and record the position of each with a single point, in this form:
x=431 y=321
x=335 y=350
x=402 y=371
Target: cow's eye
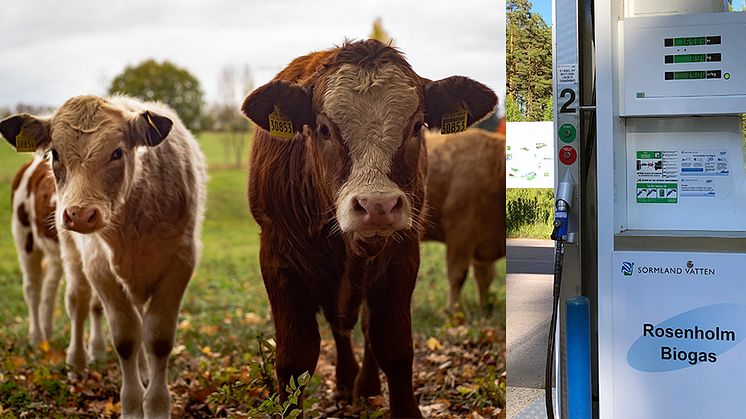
x=55 y=156
x=417 y=128
x=116 y=155
x=324 y=131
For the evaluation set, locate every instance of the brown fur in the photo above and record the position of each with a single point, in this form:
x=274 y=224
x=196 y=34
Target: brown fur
x=466 y=200
x=307 y=264
x=23 y=216
x=29 y=243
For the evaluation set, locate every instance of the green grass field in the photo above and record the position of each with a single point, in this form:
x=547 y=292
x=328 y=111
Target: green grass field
x=225 y=309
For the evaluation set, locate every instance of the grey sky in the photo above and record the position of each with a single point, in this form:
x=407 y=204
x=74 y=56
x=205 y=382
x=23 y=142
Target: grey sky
x=51 y=50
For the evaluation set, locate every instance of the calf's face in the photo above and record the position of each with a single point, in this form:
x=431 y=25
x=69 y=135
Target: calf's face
x=370 y=122
x=362 y=117
x=91 y=146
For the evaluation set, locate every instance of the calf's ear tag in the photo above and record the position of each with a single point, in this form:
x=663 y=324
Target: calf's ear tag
x=279 y=126
x=453 y=122
x=24 y=143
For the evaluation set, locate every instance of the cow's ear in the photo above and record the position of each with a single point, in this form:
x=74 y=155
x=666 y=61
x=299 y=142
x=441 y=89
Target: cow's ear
x=149 y=129
x=26 y=132
x=292 y=101
x=455 y=94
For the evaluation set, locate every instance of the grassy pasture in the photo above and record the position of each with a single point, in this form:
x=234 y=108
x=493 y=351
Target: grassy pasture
x=221 y=365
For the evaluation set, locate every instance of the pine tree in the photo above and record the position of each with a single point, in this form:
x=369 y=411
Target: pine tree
x=529 y=59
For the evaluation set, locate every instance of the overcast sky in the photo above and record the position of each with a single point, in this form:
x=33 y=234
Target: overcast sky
x=51 y=50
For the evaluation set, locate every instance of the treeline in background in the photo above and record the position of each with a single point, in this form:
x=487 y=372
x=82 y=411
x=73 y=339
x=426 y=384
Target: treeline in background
x=529 y=98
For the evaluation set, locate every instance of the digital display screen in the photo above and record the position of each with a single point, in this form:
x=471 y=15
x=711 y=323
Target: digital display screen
x=689 y=75
x=689 y=58
x=693 y=75
x=692 y=58
x=692 y=41
x=685 y=42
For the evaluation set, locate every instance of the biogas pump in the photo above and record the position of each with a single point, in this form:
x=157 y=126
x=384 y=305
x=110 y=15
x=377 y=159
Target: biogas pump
x=571 y=168
x=672 y=228
x=649 y=97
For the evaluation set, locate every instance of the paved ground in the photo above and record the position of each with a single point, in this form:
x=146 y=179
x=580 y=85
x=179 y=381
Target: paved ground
x=529 y=305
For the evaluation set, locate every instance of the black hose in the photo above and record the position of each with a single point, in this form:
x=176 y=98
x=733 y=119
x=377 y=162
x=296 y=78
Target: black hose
x=559 y=254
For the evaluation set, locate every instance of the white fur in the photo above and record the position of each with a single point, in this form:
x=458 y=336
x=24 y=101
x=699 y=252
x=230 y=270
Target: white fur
x=372 y=110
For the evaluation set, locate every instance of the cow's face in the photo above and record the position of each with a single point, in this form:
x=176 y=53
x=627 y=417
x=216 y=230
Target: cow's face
x=91 y=146
x=362 y=117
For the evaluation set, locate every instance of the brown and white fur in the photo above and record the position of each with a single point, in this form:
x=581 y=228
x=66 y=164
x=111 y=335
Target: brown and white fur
x=340 y=207
x=131 y=189
x=33 y=203
x=32 y=224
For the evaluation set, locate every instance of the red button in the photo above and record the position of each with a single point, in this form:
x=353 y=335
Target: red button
x=568 y=155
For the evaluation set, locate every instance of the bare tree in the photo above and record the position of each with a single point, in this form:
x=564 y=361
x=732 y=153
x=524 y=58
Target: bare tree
x=228 y=118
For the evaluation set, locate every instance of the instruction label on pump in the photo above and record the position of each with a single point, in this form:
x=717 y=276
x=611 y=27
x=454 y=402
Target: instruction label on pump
x=568 y=73
x=657 y=177
x=664 y=176
x=701 y=172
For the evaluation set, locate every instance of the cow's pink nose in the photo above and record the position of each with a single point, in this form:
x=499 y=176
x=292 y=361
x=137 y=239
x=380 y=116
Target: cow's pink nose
x=378 y=210
x=82 y=220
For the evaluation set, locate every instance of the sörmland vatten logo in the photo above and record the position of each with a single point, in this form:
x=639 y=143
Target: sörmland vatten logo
x=627 y=268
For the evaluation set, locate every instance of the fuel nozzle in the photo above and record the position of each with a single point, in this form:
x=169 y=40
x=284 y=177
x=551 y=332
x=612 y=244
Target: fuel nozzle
x=562 y=207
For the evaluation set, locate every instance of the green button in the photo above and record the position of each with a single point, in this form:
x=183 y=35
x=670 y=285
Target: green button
x=726 y=76
x=567 y=133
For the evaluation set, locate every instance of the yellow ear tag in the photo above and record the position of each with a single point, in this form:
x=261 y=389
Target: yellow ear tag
x=279 y=126
x=453 y=122
x=24 y=143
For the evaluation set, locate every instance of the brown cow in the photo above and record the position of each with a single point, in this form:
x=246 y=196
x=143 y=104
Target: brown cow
x=131 y=189
x=466 y=205
x=340 y=205
x=33 y=202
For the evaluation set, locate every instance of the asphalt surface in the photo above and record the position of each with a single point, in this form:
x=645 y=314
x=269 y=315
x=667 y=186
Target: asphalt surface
x=529 y=305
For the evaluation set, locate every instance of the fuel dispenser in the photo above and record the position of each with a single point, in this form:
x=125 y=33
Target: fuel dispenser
x=651 y=206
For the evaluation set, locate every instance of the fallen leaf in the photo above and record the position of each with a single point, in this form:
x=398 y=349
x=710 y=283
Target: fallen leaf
x=436 y=358
x=468 y=388
x=18 y=361
x=428 y=410
x=54 y=357
x=252 y=318
x=209 y=329
x=433 y=344
x=111 y=408
x=178 y=349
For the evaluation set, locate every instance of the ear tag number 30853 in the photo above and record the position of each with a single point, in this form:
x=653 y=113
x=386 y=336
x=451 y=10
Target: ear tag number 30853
x=279 y=126
x=24 y=143
x=453 y=122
